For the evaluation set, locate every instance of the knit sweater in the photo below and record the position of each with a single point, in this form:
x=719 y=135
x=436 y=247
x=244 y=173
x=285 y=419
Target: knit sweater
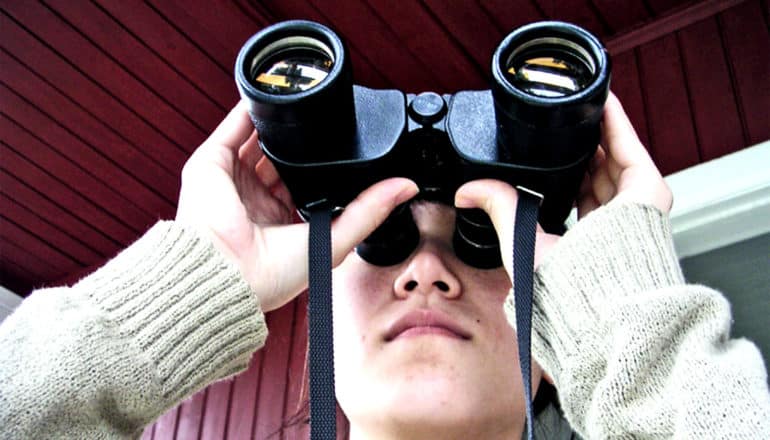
x=633 y=350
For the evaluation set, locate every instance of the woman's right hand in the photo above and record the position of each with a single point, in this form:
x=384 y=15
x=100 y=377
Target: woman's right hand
x=232 y=194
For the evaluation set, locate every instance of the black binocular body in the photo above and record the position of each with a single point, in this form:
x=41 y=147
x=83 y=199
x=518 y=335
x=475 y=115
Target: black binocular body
x=537 y=129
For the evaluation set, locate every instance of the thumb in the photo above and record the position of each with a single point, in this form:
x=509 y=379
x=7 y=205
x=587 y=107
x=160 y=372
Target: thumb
x=284 y=243
x=498 y=200
x=364 y=214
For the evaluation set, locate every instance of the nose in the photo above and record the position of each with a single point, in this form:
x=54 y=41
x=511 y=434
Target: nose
x=427 y=272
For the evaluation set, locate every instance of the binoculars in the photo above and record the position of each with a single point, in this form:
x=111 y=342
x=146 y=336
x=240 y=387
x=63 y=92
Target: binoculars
x=537 y=128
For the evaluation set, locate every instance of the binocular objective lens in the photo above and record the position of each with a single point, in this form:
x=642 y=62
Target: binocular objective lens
x=550 y=68
x=291 y=65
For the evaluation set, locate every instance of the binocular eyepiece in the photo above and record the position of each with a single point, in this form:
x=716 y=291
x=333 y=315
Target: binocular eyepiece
x=329 y=139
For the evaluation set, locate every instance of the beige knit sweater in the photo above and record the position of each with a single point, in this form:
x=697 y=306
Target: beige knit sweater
x=633 y=350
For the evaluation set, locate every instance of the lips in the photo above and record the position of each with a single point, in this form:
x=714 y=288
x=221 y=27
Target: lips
x=426 y=321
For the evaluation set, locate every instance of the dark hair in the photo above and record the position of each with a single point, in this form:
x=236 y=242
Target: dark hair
x=300 y=419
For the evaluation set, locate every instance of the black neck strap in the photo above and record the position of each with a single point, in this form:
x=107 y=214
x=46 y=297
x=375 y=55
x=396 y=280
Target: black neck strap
x=323 y=414
x=524 y=234
x=320 y=320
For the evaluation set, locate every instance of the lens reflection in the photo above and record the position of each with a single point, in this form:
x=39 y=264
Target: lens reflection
x=292 y=65
x=550 y=68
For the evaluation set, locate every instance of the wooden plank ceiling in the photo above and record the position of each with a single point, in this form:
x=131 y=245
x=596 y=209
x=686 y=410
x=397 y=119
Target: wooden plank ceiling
x=102 y=101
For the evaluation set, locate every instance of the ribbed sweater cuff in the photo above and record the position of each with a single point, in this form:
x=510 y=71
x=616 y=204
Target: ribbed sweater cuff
x=617 y=251
x=185 y=307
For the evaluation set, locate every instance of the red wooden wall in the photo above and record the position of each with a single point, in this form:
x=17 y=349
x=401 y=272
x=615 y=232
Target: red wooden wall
x=102 y=101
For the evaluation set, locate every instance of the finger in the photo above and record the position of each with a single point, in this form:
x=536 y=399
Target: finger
x=602 y=186
x=281 y=192
x=597 y=161
x=233 y=131
x=246 y=161
x=249 y=153
x=619 y=137
x=364 y=214
x=586 y=201
x=264 y=208
x=266 y=172
x=268 y=175
x=586 y=205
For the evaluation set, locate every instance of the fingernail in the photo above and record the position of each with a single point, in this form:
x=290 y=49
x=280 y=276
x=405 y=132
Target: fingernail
x=463 y=201
x=407 y=193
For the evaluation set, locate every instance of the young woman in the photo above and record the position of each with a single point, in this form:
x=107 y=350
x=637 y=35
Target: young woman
x=424 y=349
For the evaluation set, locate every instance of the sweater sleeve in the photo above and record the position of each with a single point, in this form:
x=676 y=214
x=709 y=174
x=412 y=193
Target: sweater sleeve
x=633 y=350
x=107 y=356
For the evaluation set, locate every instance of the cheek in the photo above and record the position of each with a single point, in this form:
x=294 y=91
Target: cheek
x=360 y=294
x=502 y=335
x=360 y=291
x=492 y=288
x=504 y=348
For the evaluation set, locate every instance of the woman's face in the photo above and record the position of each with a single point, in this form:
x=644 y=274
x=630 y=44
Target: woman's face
x=423 y=349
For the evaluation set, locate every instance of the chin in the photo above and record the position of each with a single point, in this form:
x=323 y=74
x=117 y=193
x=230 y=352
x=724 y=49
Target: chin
x=420 y=407
x=431 y=408
x=440 y=395
x=424 y=392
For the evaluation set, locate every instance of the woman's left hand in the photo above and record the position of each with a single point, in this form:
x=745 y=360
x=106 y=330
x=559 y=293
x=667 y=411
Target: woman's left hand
x=621 y=170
